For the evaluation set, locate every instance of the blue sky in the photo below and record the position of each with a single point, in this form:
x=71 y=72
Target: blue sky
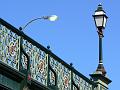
x=73 y=37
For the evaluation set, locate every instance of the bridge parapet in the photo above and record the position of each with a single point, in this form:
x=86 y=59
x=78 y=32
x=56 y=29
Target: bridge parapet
x=45 y=67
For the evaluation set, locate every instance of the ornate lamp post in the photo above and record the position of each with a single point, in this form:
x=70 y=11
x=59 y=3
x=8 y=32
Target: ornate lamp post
x=99 y=76
x=100 y=19
x=50 y=18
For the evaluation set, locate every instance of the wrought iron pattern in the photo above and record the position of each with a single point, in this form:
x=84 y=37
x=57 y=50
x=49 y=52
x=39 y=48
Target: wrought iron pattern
x=52 y=78
x=103 y=88
x=38 y=62
x=9 y=47
x=63 y=75
x=58 y=74
x=74 y=88
x=81 y=83
x=24 y=61
x=54 y=65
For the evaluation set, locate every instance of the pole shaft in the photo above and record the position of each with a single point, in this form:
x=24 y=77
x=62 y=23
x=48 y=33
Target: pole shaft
x=100 y=50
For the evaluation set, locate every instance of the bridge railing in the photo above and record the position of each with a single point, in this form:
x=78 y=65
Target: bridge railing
x=45 y=67
x=9 y=47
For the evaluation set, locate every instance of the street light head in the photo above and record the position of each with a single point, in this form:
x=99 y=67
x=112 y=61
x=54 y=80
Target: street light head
x=52 y=18
x=100 y=17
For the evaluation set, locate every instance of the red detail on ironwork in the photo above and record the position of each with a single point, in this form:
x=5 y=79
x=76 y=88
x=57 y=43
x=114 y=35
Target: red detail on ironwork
x=41 y=66
x=11 y=48
x=66 y=81
x=29 y=77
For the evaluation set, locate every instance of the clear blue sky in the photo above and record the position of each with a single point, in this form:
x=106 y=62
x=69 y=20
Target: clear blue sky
x=73 y=37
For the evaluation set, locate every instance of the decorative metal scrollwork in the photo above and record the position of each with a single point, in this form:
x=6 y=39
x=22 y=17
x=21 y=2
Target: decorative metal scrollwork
x=9 y=47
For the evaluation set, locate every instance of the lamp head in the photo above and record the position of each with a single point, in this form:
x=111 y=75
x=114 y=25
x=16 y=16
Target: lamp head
x=51 y=18
x=100 y=17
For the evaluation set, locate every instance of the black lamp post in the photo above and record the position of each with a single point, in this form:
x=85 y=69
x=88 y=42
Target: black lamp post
x=100 y=19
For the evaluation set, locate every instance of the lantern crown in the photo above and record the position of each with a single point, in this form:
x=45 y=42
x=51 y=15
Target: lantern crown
x=99 y=8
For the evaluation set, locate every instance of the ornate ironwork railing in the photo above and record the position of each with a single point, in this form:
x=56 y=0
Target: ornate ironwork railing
x=45 y=67
x=9 y=47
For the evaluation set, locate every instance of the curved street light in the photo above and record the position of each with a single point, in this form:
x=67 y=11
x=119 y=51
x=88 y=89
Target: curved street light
x=50 y=18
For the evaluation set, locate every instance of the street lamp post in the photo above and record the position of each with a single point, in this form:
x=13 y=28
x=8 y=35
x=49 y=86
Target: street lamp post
x=99 y=76
x=100 y=19
x=50 y=18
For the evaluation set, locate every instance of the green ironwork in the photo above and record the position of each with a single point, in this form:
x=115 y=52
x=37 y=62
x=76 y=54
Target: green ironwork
x=7 y=82
x=38 y=62
x=9 y=47
x=45 y=68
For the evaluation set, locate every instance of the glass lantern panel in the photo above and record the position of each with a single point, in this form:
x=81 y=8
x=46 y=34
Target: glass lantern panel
x=105 y=20
x=99 y=21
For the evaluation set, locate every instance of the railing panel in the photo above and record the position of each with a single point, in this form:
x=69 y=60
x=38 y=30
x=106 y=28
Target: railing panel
x=9 y=47
x=38 y=62
x=63 y=75
x=81 y=83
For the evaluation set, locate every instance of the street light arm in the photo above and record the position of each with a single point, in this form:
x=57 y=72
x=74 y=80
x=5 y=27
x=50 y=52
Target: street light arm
x=50 y=18
x=22 y=28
